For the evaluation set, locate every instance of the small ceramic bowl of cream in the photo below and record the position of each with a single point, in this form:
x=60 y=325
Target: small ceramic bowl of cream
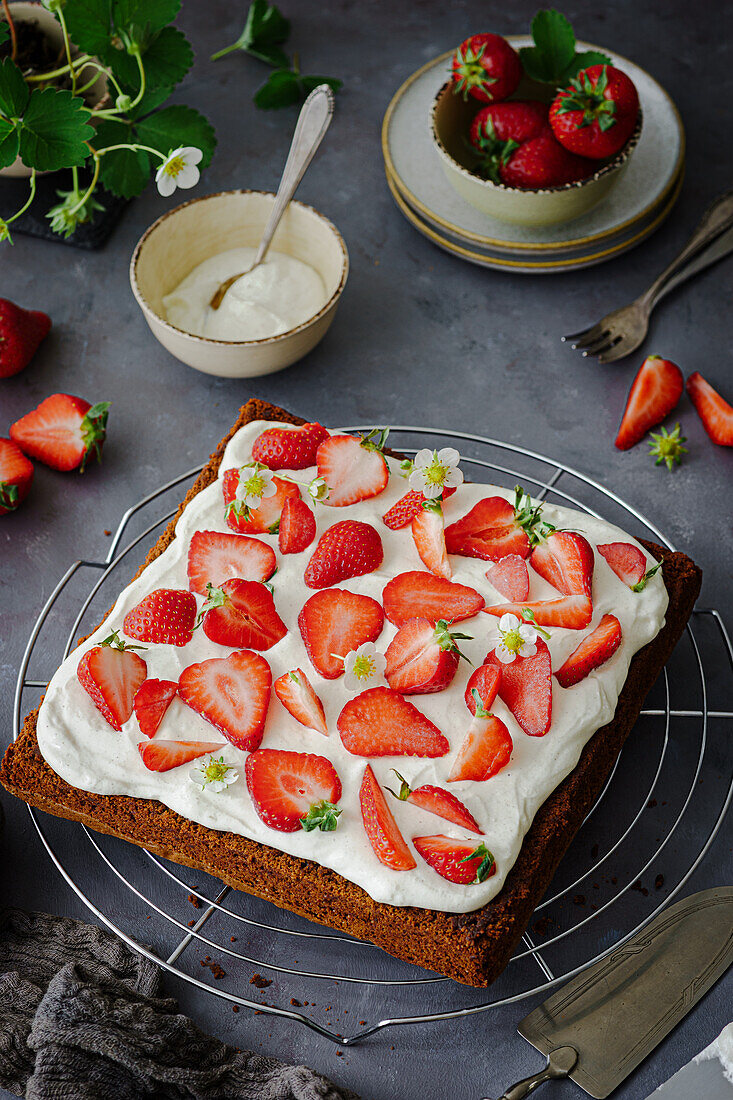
x=268 y=319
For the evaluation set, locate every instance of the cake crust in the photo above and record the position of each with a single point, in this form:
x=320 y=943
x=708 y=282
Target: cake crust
x=473 y=947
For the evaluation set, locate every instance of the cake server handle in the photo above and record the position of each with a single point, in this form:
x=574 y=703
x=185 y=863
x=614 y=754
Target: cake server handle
x=560 y=1062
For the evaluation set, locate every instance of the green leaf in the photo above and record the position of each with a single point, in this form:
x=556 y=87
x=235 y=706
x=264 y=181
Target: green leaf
x=123 y=172
x=89 y=23
x=583 y=61
x=150 y=102
x=174 y=126
x=55 y=131
x=311 y=82
x=14 y=92
x=554 y=47
x=155 y=14
x=4 y=31
x=9 y=142
x=264 y=32
x=281 y=89
x=166 y=61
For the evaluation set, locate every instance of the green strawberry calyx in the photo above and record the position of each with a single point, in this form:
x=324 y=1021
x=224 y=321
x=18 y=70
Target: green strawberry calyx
x=484 y=867
x=641 y=584
x=322 y=815
x=114 y=641
x=667 y=447
x=469 y=72
x=94 y=432
x=9 y=496
x=583 y=95
x=405 y=789
x=447 y=638
x=529 y=517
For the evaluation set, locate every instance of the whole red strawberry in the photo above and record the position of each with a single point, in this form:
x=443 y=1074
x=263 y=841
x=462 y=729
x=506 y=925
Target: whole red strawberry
x=543 y=162
x=596 y=114
x=16 y=475
x=21 y=331
x=486 y=67
x=289 y=448
x=165 y=616
x=498 y=129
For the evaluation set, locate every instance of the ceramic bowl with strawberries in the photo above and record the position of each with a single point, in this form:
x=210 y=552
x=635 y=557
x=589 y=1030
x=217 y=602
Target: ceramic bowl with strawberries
x=535 y=135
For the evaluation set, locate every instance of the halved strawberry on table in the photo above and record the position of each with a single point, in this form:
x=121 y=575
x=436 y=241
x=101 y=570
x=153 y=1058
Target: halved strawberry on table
x=151 y=702
x=297 y=527
x=436 y=801
x=593 y=651
x=111 y=674
x=293 y=790
x=380 y=722
x=714 y=411
x=348 y=549
x=655 y=391
x=333 y=622
x=298 y=696
x=487 y=746
x=166 y=616
x=289 y=448
x=510 y=577
x=417 y=594
x=217 y=556
x=423 y=657
x=460 y=861
x=64 y=431
x=525 y=686
x=428 y=533
x=242 y=614
x=353 y=468
x=408 y=506
x=232 y=693
x=162 y=755
x=16 y=476
x=382 y=831
x=494 y=528
x=628 y=563
x=264 y=518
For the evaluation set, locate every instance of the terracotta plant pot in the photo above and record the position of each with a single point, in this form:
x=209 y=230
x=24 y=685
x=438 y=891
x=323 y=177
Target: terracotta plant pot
x=97 y=96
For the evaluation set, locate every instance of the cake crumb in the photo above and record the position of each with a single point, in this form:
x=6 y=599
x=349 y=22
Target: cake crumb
x=232 y=939
x=659 y=882
x=259 y=981
x=362 y=1023
x=107 y=531
x=191 y=923
x=579 y=899
x=295 y=1002
x=195 y=902
x=235 y=1008
x=651 y=803
x=542 y=925
x=217 y=971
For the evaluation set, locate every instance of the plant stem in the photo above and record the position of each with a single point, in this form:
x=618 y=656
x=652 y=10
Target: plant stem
x=78 y=62
x=134 y=146
x=90 y=188
x=141 y=68
x=27 y=202
x=67 y=47
x=227 y=49
x=11 y=27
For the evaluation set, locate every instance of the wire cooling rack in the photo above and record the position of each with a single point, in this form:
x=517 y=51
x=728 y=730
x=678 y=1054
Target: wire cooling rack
x=648 y=831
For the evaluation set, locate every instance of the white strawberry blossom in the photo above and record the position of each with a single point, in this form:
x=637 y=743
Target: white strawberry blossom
x=213 y=773
x=255 y=483
x=513 y=638
x=363 y=667
x=434 y=471
x=179 y=169
x=318 y=490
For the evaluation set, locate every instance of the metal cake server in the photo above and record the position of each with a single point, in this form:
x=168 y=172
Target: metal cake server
x=604 y=1022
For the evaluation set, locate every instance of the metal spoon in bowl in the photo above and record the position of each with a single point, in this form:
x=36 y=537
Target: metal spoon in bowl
x=313 y=121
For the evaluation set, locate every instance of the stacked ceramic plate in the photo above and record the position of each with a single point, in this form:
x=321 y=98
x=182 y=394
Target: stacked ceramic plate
x=637 y=205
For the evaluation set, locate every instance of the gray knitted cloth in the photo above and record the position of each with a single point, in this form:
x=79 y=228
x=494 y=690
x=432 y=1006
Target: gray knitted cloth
x=81 y=1019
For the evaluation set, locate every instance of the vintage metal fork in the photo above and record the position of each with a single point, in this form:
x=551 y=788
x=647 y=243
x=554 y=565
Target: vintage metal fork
x=621 y=332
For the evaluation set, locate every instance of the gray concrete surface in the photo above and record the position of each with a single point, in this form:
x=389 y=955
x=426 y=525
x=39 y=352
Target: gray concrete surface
x=420 y=338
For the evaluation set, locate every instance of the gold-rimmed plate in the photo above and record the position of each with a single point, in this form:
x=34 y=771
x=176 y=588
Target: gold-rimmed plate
x=413 y=165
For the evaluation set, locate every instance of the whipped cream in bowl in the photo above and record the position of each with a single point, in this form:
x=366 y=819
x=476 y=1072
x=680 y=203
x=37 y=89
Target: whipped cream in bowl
x=88 y=753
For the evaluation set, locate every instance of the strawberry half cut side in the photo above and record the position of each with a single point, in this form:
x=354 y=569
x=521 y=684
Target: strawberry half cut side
x=494 y=528
x=353 y=469
x=423 y=657
x=293 y=790
x=436 y=800
x=161 y=756
x=428 y=533
x=379 y=722
x=628 y=563
x=242 y=614
x=510 y=577
x=565 y=560
x=64 y=431
x=296 y=693
x=111 y=675
x=16 y=476
x=217 y=556
x=380 y=826
x=151 y=702
x=714 y=411
x=334 y=622
x=526 y=689
x=265 y=519
x=232 y=693
x=460 y=861
x=592 y=652
x=417 y=594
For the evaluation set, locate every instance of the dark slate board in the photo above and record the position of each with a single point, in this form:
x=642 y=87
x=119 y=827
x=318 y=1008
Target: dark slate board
x=34 y=223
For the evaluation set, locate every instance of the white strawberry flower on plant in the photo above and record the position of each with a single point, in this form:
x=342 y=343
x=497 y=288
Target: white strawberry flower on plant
x=255 y=483
x=213 y=773
x=318 y=490
x=363 y=667
x=179 y=169
x=434 y=471
x=513 y=638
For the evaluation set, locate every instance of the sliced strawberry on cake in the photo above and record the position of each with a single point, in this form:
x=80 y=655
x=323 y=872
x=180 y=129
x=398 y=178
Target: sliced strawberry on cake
x=460 y=861
x=151 y=702
x=417 y=594
x=407 y=507
x=289 y=448
x=423 y=657
x=297 y=695
x=436 y=801
x=379 y=722
x=510 y=577
x=334 y=622
x=487 y=746
x=593 y=651
x=111 y=675
x=165 y=616
x=525 y=686
x=293 y=790
x=297 y=527
x=565 y=559
x=232 y=693
x=251 y=507
x=216 y=556
x=571 y=612
x=161 y=756
x=628 y=563
x=353 y=469
x=242 y=614
x=380 y=826
x=347 y=549
x=428 y=533
x=494 y=528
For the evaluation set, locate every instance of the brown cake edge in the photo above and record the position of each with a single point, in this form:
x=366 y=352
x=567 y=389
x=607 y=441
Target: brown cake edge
x=472 y=948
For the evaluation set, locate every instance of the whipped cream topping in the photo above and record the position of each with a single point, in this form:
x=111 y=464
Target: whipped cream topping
x=85 y=751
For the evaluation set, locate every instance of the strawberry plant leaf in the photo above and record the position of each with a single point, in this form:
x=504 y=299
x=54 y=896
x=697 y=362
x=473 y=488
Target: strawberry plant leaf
x=311 y=82
x=55 y=130
x=265 y=30
x=166 y=60
x=281 y=89
x=4 y=31
x=554 y=47
x=124 y=172
x=174 y=126
x=150 y=102
x=154 y=14
x=584 y=61
x=14 y=92
x=9 y=142
x=89 y=23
